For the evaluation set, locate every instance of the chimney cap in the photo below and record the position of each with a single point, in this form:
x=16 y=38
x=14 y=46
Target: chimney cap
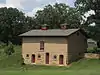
x=44 y=27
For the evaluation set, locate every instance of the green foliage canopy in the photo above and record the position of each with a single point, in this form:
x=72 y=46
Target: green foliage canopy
x=84 y=6
x=54 y=15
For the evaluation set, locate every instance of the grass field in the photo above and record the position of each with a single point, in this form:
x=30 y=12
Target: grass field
x=10 y=65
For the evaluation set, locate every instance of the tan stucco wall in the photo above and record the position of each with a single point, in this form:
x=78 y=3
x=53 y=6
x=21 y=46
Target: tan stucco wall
x=53 y=45
x=77 y=45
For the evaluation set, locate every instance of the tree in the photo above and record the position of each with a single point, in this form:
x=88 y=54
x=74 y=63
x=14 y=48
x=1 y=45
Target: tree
x=84 y=6
x=54 y=15
x=29 y=23
x=12 y=23
x=9 y=50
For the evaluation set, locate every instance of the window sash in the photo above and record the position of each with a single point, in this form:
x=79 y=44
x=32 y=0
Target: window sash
x=41 y=45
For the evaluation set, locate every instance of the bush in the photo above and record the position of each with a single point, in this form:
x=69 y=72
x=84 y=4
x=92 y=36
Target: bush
x=9 y=50
x=2 y=45
x=94 y=50
x=22 y=61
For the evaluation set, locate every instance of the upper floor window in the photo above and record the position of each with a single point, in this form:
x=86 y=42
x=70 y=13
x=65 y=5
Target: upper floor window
x=41 y=45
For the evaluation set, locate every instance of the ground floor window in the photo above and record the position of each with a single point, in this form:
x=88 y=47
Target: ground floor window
x=27 y=55
x=39 y=56
x=55 y=57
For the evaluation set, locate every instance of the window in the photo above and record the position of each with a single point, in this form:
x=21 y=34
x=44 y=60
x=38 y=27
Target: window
x=27 y=55
x=39 y=56
x=41 y=45
x=55 y=57
x=91 y=43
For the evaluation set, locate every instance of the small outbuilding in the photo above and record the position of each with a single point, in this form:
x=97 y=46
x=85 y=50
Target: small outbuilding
x=91 y=43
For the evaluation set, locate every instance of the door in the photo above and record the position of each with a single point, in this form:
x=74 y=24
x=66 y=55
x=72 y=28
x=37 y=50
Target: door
x=47 y=58
x=61 y=59
x=33 y=58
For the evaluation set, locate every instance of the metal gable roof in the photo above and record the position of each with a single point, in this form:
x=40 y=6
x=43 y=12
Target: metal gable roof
x=50 y=32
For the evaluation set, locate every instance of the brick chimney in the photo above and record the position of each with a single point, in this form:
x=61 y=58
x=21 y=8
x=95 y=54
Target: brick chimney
x=44 y=27
x=64 y=26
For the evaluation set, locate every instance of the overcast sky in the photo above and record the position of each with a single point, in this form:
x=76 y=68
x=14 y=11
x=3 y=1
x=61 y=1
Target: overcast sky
x=31 y=6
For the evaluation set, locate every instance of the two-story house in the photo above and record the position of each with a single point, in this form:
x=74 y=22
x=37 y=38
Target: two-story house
x=53 y=46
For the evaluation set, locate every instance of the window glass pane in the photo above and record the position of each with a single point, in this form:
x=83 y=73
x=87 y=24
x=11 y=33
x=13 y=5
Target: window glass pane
x=41 y=45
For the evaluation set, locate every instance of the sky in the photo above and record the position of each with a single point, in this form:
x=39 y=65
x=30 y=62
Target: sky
x=29 y=7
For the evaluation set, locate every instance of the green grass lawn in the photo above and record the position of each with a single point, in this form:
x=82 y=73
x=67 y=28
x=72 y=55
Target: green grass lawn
x=50 y=72
x=10 y=65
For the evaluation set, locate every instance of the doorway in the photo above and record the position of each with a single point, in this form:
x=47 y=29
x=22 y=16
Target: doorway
x=47 y=58
x=33 y=58
x=61 y=59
